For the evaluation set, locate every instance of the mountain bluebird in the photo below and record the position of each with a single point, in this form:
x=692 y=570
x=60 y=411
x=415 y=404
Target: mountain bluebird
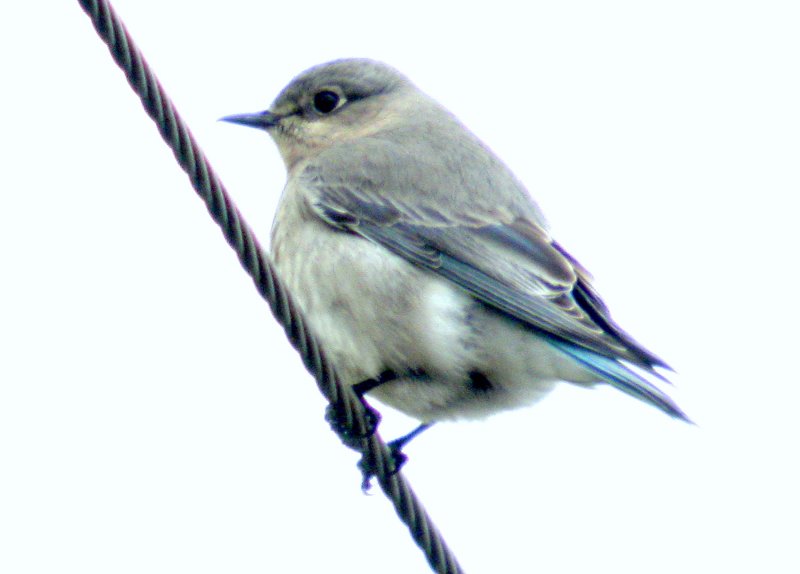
x=421 y=263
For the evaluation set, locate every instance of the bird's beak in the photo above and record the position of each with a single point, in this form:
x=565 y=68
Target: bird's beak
x=261 y=120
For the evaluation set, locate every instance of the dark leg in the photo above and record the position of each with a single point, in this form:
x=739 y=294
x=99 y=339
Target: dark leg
x=367 y=385
x=396 y=446
x=398 y=458
x=360 y=389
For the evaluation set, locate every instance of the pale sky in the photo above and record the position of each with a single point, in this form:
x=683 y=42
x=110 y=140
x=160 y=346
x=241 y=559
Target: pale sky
x=153 y=417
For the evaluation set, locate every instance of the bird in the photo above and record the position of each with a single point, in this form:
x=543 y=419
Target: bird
x=422 y=264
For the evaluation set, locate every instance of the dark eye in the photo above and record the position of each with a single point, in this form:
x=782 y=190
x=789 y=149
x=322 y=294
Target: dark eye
x=326 y=101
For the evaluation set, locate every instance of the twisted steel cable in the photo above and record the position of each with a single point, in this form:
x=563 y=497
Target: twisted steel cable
x=349 y=411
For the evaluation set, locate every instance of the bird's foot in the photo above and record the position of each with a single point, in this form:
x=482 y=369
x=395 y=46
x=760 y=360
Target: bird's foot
x=343 y=427
x=398 y=457
x=350 y=436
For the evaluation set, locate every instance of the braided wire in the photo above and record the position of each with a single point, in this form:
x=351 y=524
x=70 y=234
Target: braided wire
x=238 y=234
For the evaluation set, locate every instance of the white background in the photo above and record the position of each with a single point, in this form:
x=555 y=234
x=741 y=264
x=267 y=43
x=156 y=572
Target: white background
x=153 y=417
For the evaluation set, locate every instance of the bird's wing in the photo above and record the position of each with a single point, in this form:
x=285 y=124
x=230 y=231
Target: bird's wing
x=511 y=265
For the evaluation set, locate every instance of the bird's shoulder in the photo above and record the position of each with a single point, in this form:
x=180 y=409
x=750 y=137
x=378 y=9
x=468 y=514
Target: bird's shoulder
x=431 y=175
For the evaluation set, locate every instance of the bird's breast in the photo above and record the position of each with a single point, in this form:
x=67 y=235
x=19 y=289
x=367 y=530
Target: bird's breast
x=371 y=309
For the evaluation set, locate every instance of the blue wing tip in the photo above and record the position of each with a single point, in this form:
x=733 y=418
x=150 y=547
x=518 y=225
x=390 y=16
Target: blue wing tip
x=676 y=412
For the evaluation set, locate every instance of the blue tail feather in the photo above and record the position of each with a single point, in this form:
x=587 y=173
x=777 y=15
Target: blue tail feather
x=621 y=377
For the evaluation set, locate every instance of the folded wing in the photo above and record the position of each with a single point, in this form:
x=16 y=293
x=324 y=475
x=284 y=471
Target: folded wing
x=512 y=266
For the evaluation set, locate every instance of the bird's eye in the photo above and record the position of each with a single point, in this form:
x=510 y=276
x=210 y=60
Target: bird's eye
x=326 y=101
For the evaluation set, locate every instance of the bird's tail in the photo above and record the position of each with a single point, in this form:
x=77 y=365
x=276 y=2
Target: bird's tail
x=622 y=377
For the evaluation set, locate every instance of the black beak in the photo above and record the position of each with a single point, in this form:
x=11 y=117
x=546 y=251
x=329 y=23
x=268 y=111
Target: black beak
x=261 y=120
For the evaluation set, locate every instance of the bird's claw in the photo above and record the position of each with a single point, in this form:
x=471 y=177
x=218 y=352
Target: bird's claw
x=369 y=470
x=349 y=436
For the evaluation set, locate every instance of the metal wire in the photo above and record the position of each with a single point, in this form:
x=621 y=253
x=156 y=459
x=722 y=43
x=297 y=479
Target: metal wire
x=350 y=413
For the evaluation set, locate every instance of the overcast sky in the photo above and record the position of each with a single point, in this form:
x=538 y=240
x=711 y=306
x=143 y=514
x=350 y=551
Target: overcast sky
x=153 y=417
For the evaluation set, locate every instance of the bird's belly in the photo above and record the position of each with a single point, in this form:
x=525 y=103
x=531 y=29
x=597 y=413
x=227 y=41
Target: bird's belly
x=373 y=311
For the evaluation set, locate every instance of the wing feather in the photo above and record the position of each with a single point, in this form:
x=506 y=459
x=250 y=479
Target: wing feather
x=499 y=251
x=515 y=268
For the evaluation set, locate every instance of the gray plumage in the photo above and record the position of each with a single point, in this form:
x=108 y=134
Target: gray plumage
x=413 y=250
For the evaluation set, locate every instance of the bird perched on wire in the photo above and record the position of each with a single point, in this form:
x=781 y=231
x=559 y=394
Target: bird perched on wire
x=422 y=264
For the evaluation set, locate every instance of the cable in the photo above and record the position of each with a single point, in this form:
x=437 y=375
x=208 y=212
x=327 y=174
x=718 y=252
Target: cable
x=350 y=412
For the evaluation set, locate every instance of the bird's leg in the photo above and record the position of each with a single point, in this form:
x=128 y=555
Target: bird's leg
x=337 y=422
x=367 y=385
x=367 y=467
x=396 y=446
